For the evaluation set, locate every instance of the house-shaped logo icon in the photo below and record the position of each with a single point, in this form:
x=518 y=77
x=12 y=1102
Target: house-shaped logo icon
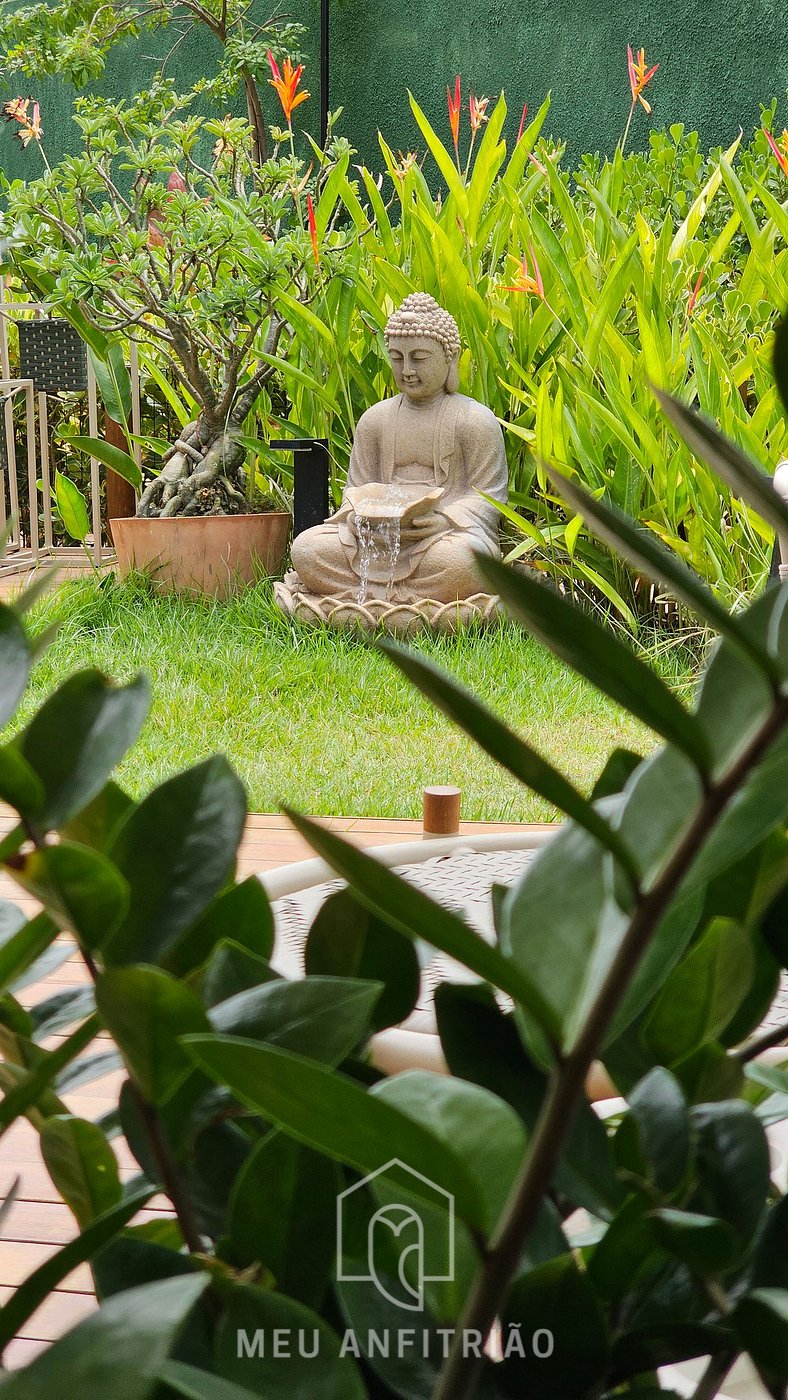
x=412 y=1224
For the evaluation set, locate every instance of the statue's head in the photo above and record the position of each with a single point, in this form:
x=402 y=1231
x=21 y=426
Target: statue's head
x=424 y=348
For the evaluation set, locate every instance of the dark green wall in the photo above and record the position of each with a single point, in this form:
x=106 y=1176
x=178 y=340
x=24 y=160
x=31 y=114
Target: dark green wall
x=719 y=59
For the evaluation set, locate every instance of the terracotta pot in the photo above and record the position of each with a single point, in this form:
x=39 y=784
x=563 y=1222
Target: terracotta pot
x=213 y=554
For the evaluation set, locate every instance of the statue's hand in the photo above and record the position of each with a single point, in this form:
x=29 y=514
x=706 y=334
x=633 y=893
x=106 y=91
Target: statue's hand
x=422 y=526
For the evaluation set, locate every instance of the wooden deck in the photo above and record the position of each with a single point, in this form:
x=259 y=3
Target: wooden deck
x=39 y=1223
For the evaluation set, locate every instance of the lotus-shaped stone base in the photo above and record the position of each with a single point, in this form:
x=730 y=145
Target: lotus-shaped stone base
x=402 y=618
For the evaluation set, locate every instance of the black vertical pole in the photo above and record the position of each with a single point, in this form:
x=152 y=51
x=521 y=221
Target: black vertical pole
x=324 y=62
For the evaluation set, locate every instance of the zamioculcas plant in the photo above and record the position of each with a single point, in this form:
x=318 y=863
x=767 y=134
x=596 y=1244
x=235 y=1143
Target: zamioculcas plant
x=340 y=1232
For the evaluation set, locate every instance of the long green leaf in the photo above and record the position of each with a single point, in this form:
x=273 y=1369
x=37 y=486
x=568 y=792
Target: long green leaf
x=596 y=653
x=725 y=458
x=332 y=1113
x=45 y=1279
x=508 y=749
x=442 y=159
x=409 y=910
x=114 y=382
x=71 y=507
x=643 y=550
x=120 y=462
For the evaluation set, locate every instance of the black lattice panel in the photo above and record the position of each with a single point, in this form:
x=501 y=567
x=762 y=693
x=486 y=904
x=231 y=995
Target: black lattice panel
x=53 y=356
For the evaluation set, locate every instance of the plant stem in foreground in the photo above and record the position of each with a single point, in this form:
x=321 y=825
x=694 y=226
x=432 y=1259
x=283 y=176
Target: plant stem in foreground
x=457 y=1380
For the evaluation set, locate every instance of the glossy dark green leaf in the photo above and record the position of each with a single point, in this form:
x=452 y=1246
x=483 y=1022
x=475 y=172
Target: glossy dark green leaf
x=702 y=1242
x=282 y=1215
x=729 y=462
x=770 y=1266
x=626 y=1256
x=217 y=1156
x=254 y=1313
x=647 y=554
x=756 y=1003
x=658 y=1110
x=702 y=993
x=644 y=1348
x=735 y=697
x=616 y=773
x=563 y=928
x=79 y=888
x=732 y=1164
x=506 y=747
x=232 y=968
x=329 y=1112
x=242 y=913
x=202 y=1385
x=45 y=1279
x=482 y=1045
x=176 y=850
x=761 y=1322
x=20 y=786
x=118 y=461
x=146 y=1012
x=78 y=736
x=345 y=940
x=15 y=1017
x=479 y=1126
x=664 y=950
x=14 y=662
x=130 y=1336
x=598 y=654
x=322 y=1017
x=82 y=1166
x=758 y=807
x=114 y=381
x=554 y=1304
x=411 y=911
x=709 y=1075
x=95 y=825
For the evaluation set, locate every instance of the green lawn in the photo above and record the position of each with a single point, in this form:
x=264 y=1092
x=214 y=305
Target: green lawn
x=322 y=720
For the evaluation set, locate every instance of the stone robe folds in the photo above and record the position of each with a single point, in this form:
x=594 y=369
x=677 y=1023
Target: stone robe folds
x=468 y=458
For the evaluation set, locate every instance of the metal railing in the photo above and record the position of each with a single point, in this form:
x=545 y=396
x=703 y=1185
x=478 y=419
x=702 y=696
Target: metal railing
x=32 y=542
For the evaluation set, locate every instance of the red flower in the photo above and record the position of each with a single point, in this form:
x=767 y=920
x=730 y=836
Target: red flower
x=780 y=149
x=477 y=107
x=286 y=85
x=30 y=128
x=639 y=76
x=694 y=293
x=527 y=280
x=454 y=112
x=310 y=213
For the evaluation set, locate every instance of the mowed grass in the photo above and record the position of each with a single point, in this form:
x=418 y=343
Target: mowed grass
x=323 y=721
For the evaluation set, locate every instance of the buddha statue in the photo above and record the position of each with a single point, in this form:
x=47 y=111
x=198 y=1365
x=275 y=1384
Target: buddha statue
x=412 y=513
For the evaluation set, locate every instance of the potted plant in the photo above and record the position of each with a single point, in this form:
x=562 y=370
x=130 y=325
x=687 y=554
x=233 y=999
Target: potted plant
x=166 y=229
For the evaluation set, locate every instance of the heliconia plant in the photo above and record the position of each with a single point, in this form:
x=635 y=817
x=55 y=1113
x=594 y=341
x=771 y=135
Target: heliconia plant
x=574 y=293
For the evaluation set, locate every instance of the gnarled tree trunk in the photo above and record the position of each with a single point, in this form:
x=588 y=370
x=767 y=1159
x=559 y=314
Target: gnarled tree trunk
x=203 y=474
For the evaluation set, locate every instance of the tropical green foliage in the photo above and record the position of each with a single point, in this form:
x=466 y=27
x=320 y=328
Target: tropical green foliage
x=573 y=291
x=648 y=934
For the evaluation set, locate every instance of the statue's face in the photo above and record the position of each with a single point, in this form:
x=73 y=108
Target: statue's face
x=420 y=366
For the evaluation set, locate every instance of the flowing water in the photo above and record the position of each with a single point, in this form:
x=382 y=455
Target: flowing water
x=378 y=545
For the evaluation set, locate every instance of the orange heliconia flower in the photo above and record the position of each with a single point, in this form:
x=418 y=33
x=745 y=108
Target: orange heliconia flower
x=16 y=110
x=454 y=105
x=528 y=279
x=780 y=149
x=639 y=76
x=477 y=108
x=310 y=214
x=693 y=297
x=286 y=85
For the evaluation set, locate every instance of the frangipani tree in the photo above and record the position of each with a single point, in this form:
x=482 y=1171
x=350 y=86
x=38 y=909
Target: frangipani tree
x=72 y=38
x=165 y=228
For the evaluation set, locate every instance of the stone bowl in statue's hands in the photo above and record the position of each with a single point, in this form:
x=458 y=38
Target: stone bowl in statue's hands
x=381 y=501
